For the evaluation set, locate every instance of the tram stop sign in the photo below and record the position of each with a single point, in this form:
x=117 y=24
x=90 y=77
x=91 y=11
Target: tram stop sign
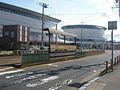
x=112 y=25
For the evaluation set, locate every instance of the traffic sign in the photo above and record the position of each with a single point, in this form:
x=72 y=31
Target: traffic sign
x=112 y=25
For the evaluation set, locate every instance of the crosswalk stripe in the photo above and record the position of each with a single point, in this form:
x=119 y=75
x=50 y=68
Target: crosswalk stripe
x=14 y=71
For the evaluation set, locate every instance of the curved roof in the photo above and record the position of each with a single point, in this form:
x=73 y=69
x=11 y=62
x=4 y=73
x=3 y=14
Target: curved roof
x=26 y=11
x=83 y=26
x=62 y=33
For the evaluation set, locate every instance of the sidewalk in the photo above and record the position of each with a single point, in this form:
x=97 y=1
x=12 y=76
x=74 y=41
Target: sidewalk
x=110 y=81
x=7 y=60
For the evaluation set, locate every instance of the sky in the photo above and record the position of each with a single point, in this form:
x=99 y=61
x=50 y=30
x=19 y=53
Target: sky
x=70 y=12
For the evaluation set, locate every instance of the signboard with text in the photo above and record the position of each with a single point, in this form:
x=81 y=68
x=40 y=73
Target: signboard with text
x=112 y=25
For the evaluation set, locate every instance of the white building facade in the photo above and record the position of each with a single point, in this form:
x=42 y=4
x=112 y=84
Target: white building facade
x=88 y=36
x=13 y=15
x=26 y=19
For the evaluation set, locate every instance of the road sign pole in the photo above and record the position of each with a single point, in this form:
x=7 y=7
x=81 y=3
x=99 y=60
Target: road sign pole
x=112 y=25
x=112 y=49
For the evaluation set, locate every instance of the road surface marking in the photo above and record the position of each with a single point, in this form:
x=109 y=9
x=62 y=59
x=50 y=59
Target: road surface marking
x=43 y=81
x=3 y=69
x=87 y=84
x=14 y=71
x=94 y=71
x=52 y=65
x=29 y=78
x=19 y=75
x=65 y=82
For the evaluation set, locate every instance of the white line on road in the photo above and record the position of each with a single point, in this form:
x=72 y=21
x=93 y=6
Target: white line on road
x=3 y=69
x=43 y=81
x=94 y=71
x=19 y=75
x=57 y=86
x=29 y=78
x=87 y=84
x=14 y=71
x=52 y=65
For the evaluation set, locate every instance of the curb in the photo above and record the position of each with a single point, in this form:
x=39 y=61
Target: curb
x=4 y=69
x=94 y=75
x=92 y=78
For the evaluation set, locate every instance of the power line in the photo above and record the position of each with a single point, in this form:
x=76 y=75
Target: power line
x=77 y=14
x=115 y=2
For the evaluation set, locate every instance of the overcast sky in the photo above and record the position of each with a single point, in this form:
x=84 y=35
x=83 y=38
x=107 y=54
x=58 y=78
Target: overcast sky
x=93 y=12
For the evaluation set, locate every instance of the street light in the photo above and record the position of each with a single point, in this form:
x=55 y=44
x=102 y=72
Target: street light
x=81 y=35
x=43 y=6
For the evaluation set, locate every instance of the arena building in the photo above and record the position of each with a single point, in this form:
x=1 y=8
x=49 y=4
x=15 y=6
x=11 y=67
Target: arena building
x=88 y=36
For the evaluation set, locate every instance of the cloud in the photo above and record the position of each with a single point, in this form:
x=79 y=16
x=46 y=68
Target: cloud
x=107 y=6
x=103 y=4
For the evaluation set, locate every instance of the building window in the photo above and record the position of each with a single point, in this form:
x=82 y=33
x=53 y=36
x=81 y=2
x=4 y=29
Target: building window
x=26 y=28
x=12 y=34
x=1 y=33
x=22 y=46
x=26 y=35
x=21 y=27
x=20 y=33
x=6 y=33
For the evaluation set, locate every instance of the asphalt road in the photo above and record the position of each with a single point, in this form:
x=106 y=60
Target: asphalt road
x=68 y=75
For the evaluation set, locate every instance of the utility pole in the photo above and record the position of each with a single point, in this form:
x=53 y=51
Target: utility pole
x=56 y=35
x=81 y=35
x=43 y=19
x=118 y=5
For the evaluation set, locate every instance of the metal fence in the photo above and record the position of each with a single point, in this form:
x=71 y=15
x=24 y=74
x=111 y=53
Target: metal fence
x=34 y=58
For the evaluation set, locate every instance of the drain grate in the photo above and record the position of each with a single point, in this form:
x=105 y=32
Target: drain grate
x=77 y=85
